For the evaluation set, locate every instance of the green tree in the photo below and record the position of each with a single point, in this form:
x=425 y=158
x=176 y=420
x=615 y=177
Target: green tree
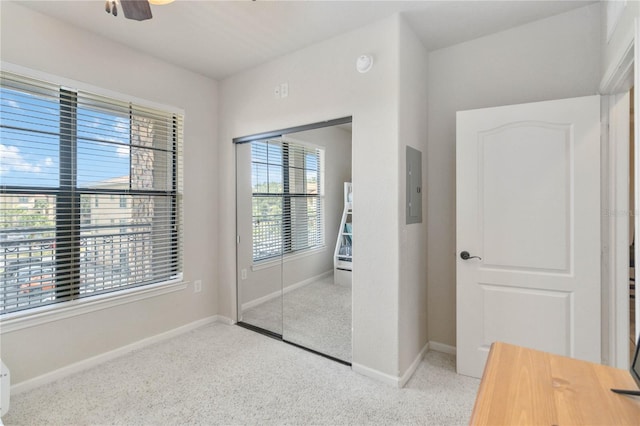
x=25 y=219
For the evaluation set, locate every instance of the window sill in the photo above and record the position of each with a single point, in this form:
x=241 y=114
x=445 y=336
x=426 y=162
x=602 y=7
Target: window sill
x=287 y=258
x=30 y=318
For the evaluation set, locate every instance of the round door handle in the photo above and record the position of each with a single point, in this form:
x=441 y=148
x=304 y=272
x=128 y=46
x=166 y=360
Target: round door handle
x=466 y=256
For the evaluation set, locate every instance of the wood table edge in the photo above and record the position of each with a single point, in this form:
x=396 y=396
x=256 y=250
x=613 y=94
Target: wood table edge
x=484 y=384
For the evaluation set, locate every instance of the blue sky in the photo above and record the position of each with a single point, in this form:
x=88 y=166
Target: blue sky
x=30 y=157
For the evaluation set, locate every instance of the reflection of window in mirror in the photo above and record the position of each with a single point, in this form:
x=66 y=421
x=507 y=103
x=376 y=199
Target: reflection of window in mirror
x=290 y=201
x=287 y=199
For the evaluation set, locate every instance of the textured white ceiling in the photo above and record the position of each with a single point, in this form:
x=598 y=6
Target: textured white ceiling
x=220 y=38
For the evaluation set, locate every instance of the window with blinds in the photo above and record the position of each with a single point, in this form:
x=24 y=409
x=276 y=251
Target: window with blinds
x=90 y=194
x=288 y=198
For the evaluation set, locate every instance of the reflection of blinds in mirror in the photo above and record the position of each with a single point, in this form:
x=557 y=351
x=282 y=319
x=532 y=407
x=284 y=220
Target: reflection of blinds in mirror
x=287 y=198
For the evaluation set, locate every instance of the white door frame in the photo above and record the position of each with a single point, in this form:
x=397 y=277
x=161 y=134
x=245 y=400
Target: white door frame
x=615 y=230
x=616 y=83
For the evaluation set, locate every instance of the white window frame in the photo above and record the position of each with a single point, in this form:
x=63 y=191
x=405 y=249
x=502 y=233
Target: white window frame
x=18 y=320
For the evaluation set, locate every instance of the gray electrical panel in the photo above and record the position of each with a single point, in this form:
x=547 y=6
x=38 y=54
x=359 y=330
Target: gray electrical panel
x=414 y=186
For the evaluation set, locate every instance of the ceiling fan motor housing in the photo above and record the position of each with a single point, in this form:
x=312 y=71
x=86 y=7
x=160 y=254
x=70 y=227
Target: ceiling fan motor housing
x=138 y=10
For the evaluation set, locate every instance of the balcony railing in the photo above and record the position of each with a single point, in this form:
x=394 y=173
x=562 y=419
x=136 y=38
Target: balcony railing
x=111 y=257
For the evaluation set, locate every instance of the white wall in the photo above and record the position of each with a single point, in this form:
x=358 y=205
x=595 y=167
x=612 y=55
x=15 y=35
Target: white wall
x=553 y=58
x=32 y=40
x=412 y=311
x=323 y=84
x=558 y=57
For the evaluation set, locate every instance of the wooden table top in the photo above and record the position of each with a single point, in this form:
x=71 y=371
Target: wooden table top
x=522 y=386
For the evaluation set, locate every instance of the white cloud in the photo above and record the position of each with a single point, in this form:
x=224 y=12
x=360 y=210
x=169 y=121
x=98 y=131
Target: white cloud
x=119 y=125
x=122 y=151
x=122 y=125
x=11 y=159
x=94 y=123
x=48 y=162
x=9 y=105
x=105 y=140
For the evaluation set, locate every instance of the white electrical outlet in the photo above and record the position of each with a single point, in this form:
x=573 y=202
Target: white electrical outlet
x=284 y=90
x=243 y=274
x=197 y=286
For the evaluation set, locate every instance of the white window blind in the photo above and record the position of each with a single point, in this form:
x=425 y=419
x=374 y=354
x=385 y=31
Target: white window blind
x=90 y=194
x=288 y=198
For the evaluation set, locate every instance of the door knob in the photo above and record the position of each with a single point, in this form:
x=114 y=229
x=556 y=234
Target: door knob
x=466 y=256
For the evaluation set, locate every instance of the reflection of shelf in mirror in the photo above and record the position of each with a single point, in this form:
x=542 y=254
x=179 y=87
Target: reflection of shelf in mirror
x=343 y=256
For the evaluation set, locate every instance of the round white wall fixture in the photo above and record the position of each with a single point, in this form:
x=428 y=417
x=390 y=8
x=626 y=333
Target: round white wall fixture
x=364 y=63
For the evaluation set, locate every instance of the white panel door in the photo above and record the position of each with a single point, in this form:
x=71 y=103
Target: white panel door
x=528 y=206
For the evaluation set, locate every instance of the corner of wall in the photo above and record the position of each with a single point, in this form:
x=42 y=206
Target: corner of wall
x=412 y=131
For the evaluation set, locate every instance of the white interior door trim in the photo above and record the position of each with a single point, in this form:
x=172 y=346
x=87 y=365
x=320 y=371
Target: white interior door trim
x=616 y=238
x=636 y=132
x=619 y=77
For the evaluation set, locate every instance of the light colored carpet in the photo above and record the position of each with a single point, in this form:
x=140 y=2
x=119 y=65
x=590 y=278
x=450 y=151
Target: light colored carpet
x=316 y=316
x=220 y=374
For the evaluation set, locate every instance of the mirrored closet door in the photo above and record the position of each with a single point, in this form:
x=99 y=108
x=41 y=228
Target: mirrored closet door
x=290 y=212
x=259 y=207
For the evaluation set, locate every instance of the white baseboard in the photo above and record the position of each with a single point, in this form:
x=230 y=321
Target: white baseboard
x=441 y=347
x=224 y=320
x=399 y=382
x=414 y=365
x=261 y=300
x=375 y=374
x=107 y=356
